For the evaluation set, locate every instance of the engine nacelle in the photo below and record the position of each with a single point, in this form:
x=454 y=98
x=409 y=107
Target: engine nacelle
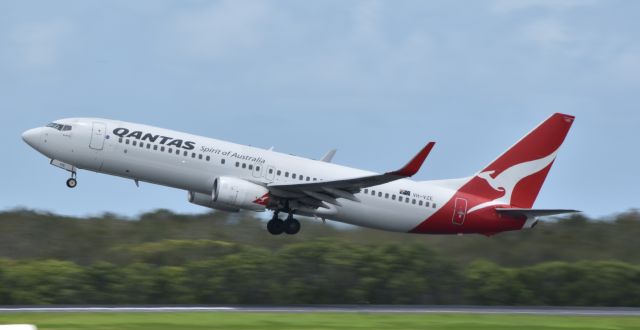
x=239 y=193
x=207 y=201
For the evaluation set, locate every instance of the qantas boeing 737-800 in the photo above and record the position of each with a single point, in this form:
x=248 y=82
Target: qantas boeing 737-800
x=231 y=177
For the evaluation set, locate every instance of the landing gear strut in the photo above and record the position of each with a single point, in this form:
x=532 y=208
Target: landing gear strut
x=275 y=226
x=72 y=182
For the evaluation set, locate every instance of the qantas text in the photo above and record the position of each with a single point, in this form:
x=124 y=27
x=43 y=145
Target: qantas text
x=164 y=140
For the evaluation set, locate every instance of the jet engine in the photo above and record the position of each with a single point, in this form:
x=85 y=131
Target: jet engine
x=238 y=193
x=207 y=201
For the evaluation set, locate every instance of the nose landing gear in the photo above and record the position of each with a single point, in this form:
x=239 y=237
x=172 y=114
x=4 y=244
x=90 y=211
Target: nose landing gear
x=290 y=226
x=72 y=182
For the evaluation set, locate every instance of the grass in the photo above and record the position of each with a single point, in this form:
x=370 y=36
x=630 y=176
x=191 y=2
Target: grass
x=282 y=321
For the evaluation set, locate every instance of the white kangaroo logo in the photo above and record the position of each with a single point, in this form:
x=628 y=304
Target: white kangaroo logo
x=509 y=178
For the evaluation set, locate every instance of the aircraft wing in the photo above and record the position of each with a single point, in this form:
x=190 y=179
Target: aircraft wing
x=532 y=212
x=317 y=192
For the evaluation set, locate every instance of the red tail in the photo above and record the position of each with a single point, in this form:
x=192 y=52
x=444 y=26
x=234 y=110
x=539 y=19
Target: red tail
x=520 y=172
x=512 y=180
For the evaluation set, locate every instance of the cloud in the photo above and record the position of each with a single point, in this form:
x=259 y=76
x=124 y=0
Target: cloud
x=38 y=45
x=366 y=16
x=626 y=66
x=546 y=32
x=510 y=6
x=222 y=27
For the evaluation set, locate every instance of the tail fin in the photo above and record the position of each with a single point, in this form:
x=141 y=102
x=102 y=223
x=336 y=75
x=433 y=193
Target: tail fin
x=518 y=174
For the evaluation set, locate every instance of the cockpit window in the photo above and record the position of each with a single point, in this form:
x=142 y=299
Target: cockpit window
x=59 y=127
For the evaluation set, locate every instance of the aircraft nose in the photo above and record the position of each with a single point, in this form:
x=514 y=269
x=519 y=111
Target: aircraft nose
x=31 y=136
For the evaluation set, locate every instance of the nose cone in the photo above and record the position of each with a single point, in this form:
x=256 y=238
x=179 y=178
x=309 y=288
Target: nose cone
x=31 y=137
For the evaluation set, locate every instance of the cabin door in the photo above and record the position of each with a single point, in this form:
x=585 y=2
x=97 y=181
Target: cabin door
x=459 y=211
x=97 y=136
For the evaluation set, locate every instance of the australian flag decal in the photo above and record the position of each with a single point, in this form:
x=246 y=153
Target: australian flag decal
x=405 y=192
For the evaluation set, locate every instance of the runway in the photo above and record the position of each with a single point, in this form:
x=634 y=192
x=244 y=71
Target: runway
x=568 y=311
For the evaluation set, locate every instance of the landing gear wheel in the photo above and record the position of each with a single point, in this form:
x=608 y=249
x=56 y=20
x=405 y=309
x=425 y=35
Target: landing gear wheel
x=275 y=226
x=72 y=183
x=291 y=226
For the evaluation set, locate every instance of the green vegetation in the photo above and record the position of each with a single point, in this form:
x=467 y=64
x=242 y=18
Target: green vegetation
x=216 y=258
x=233 y=320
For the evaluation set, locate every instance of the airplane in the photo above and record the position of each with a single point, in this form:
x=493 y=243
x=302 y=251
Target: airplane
x=231 y=177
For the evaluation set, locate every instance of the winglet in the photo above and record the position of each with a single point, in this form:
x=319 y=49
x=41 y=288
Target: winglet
x=328 y=156
x=414 y=164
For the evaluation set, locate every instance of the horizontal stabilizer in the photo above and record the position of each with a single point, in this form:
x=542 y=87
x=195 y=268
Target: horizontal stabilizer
x=529 y=213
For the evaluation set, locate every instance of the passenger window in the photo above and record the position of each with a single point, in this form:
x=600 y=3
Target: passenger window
x=155 y=147
x=279 y=172
x=120 y=140
x=434 y=205
x=426 y=204
x=185 y=153
x=127 y=141
x=250 y=167
x=170 y=150
x=135 y=143
x=373 y=192
x=406 y=200
x=413 y=201
x=293 y=175
x=366 y=191
x=178 y=152
x=286 y=174
x=420 y=203
x=308 y=179
x=386 y=195
x=162 y=148
x=244 y=165
x=393 y=197
x=379 y=194
x=314 y=179
x=148 y=146
x=222 y=161
x=208 y=158
x=199 y=156
x=270 y=170
x=258 y=168
x=237 y=164
x=399 y=198
x=193 y=155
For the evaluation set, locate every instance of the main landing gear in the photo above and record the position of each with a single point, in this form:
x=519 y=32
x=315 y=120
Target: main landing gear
x=72 y=182
x=275 y=226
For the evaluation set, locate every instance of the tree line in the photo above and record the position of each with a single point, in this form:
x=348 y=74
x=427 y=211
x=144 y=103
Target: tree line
x=215 y=258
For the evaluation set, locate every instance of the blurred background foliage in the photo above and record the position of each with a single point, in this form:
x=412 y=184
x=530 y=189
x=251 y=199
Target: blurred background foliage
x=219 y=258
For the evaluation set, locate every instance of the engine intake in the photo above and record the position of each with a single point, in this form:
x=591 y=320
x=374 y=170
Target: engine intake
x=238 y=193
x=207 y=201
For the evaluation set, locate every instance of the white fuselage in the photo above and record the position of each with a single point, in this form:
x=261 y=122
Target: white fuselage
x=192 y=163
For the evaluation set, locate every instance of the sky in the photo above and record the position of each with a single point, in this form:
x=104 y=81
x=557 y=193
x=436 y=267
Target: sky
x=374 y=79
